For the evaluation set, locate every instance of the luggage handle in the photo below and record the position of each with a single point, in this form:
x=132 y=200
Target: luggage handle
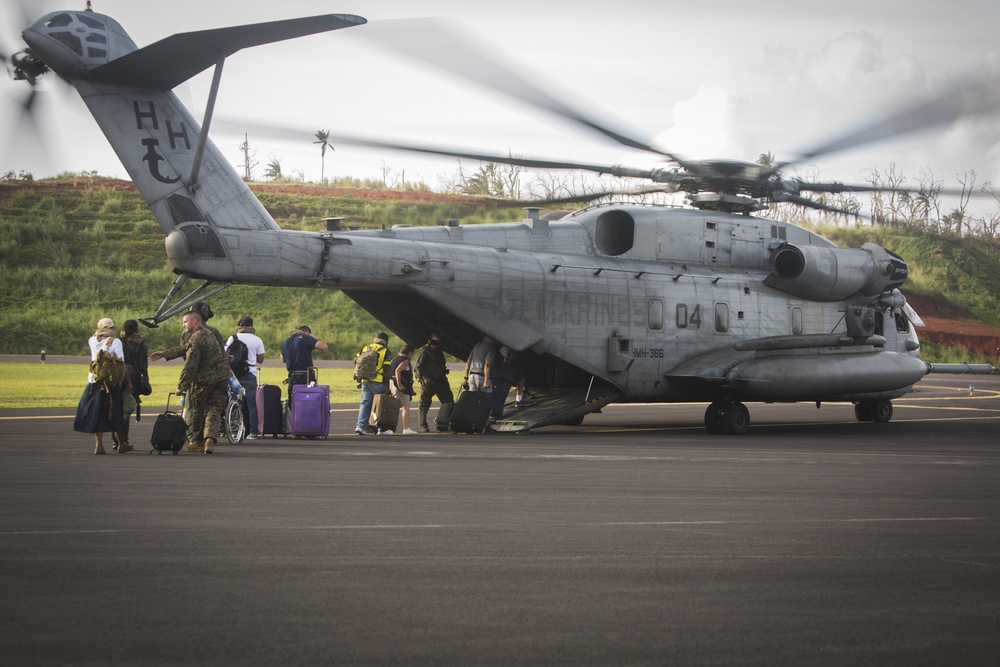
x=169 y=394
x=312 y=371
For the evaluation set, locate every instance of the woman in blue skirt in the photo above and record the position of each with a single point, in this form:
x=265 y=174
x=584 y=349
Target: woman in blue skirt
x=100 y=407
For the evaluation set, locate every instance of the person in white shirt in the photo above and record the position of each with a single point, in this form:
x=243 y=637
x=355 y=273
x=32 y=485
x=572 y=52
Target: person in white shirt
x=255 y=357
x=100 y=407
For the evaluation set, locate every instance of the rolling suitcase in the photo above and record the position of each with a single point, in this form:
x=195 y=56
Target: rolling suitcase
x=269 y=410
x=471 y=412
x=309 y=411
x=385 y=412
x=443 y=419
x=169 y=431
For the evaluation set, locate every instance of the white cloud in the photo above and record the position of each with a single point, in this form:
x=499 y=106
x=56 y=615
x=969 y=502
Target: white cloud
x=706 y=126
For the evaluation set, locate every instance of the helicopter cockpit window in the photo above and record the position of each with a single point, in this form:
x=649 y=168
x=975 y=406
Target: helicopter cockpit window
x=902 y=323
x=615 y=232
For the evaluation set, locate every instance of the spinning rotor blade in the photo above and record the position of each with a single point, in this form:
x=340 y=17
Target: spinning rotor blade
x=820 y=206
x=236 y=126
x=844 y=187
x=593 y=196
x=24 y=68
x=430 y=41
x=968 y=97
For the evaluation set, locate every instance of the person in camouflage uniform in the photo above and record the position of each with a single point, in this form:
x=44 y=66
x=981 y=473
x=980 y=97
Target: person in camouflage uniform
x=206 y=377
x=206 y=313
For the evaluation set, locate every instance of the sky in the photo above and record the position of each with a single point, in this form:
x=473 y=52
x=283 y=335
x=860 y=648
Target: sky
x=711 y=79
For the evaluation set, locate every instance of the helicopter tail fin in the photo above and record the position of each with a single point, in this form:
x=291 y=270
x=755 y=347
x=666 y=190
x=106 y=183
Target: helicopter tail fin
x=171 y=61
x=180 y=174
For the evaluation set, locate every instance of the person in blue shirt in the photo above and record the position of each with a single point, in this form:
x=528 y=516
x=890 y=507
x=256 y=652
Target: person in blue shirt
x=296 y=353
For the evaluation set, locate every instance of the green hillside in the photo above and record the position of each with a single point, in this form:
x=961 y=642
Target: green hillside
x=73 y=251
x=955 y=272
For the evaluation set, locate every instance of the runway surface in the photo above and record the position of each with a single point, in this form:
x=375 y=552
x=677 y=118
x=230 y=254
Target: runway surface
x=635 y=539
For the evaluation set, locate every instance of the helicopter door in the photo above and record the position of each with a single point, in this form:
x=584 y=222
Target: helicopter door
x=619 y=354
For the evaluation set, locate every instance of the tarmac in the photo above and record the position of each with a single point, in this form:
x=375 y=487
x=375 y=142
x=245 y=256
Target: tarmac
x=634 y=539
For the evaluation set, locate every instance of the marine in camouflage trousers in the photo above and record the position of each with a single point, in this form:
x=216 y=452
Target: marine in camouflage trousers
x=207 y=403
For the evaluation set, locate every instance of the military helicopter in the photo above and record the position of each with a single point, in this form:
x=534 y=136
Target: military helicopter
x=611 y=303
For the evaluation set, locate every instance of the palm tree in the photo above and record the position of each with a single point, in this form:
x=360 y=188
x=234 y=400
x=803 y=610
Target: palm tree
x=273 y=170
x=321 y=138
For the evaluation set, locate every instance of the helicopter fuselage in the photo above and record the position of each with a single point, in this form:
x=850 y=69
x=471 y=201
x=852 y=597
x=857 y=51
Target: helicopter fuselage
x=619 y=302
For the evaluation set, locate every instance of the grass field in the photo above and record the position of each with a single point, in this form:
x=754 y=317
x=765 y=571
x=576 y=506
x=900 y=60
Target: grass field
x=34 y=385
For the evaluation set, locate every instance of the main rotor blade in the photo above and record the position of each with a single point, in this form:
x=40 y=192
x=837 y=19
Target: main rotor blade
x=593 y=196
x=968 y=97
x=846 y=187
x=236 y=126
x=431 y=41
x=820 y=206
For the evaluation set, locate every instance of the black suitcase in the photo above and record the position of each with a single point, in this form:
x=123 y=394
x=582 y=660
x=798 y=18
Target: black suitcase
x=169 y=431
x=471 y=412
x=443 y=419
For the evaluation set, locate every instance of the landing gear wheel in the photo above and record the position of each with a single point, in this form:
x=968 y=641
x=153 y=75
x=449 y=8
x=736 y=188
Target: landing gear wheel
x=736 y=419
x=882 y=412
x=873 y=411
x=714 y=418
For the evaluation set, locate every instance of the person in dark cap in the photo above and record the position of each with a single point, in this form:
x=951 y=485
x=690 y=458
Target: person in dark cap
x=432 y=370
x=203 y=309
x=296 y=353
x=374 y=385
x=247 y=335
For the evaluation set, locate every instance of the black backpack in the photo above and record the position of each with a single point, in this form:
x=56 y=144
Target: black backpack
x=238 y=354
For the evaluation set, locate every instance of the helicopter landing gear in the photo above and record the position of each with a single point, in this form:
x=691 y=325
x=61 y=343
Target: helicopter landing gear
x=730 y=417
x=873 y=411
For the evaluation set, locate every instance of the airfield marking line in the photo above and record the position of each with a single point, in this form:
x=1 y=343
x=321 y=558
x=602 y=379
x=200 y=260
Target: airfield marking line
x=478 y=526
x=62 y=532
x=944 y=407
x=40 y=417
x=902 y=519
x=894 y=420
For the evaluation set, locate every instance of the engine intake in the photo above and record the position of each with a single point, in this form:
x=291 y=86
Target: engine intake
x=832 y=274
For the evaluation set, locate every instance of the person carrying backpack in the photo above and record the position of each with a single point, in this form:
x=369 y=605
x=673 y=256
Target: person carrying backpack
x=375 y=356
x=100 y=408
x=245 y=352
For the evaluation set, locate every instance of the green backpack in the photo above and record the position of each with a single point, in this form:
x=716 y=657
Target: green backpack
x=366 y=364
x=107 y=369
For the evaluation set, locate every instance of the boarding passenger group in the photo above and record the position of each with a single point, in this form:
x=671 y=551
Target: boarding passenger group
x=118 y=379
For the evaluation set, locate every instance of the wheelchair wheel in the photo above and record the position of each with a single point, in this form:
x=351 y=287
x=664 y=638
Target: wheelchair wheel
x=232 y=422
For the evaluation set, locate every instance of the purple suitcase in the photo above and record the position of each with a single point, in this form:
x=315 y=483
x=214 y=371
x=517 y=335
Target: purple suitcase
x=269 y=410
x=310 y=411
